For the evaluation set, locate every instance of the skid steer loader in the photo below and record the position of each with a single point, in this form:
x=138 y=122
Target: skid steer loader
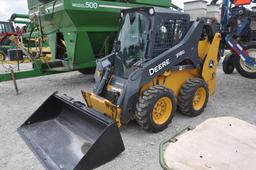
x=160 y=62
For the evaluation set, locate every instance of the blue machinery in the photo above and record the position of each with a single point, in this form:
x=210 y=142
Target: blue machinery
x=234 y=10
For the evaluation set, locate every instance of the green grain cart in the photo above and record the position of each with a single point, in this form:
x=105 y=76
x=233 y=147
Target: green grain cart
x=78 y=31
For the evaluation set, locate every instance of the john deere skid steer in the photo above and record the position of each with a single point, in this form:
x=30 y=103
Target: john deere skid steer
x=160 y=62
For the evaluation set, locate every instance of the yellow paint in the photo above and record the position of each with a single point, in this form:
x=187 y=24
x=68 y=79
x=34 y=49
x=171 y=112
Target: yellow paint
x=46 y=53
x=209 y=74
x=44 y=59
x=173 y=80
x=98 y=73
x=25 y=60
x=199 y=99
x=43 y=49
x=203 y=48
x=162 y=110
x=114 y=89
x=104 y=106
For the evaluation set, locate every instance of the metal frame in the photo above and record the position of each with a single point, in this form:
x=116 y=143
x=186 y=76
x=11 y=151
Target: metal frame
x=162 y=145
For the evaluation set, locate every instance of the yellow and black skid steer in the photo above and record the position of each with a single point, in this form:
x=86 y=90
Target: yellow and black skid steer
x=160 y=62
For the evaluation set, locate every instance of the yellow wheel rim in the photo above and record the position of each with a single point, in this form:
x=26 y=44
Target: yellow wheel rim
x=162 y=110
x=199 y=98
x=1 y=57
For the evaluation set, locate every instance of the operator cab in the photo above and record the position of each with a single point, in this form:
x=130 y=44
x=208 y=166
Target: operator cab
x=6 y=27
x=144 y=34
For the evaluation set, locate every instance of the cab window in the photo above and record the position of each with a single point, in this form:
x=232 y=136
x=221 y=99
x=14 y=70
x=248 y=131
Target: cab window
x=169 y=33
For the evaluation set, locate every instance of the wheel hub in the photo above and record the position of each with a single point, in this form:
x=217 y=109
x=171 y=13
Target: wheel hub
x=247 y=67
x=199 y=99
x=162 y=110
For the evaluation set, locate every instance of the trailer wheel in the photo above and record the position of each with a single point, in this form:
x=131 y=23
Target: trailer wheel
x=2 y=56
x=156 y=108
x=228 y=64
x=193 y=97
x=244 y=69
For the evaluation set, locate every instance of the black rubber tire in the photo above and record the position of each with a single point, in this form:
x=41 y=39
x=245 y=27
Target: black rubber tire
x=239 y=68
x=228 y=64
x=144 y=108
x=87 y=71
x=186 y=96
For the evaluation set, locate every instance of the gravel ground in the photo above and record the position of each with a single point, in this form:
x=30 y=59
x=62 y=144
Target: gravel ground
x=5 y=67
x=234 y=97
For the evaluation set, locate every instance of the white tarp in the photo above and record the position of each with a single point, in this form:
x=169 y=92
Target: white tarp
x=217 y=144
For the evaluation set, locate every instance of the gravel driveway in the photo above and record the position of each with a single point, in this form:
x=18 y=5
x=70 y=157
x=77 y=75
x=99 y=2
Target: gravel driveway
x=235 y=96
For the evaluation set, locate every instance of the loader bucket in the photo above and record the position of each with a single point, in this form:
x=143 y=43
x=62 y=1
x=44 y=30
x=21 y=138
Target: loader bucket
x=67 y=135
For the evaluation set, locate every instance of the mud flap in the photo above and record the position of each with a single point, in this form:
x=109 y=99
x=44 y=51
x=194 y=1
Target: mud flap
x=67 y=135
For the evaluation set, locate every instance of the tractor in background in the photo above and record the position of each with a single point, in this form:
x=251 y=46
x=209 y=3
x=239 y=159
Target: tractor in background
x=8 y=30
x=14 y=37
x=239 y=36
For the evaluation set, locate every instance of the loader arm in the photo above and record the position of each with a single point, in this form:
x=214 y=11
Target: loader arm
x=210 y=64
